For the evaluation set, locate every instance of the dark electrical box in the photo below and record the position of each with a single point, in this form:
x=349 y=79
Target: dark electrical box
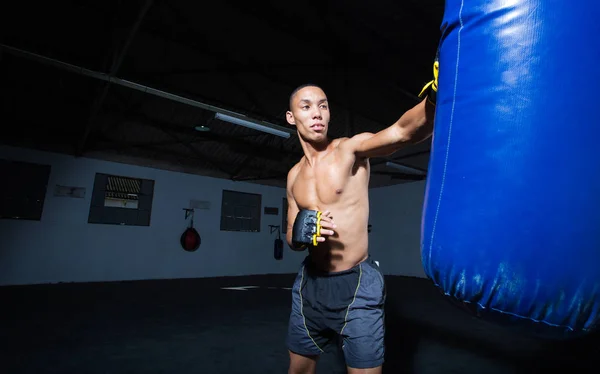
x=271 y=211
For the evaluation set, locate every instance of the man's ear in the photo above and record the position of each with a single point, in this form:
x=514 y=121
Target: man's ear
x=290 y=118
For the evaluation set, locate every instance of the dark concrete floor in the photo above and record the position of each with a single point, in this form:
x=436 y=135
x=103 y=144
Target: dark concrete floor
x=194 y=326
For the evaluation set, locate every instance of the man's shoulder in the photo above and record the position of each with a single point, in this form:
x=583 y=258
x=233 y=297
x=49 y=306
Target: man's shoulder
x=338 y=143
x=351 y=143
x=293 y=172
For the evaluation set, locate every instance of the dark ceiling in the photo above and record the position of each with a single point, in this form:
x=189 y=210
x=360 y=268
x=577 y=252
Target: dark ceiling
x=372 y=58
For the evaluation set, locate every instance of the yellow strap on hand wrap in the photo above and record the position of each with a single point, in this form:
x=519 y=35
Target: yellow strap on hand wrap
x=307 y=228
x=431 y=88
x=318 y=233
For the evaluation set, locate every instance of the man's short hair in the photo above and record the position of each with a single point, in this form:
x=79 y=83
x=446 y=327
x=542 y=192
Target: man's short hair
x=299 y=88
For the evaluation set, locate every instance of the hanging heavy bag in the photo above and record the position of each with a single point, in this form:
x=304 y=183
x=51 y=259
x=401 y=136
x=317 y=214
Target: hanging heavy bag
x=278 y=254
x=278 y=244
x=511 y=212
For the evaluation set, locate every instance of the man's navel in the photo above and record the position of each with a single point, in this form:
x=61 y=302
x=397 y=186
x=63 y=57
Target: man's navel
x=339 y=191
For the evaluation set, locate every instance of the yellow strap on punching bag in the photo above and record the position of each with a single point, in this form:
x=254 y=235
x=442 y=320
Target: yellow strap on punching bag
x=431 y=87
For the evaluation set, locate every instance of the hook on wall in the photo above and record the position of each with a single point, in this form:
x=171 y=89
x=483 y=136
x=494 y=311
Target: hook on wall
x=275 y=228
x=189 y=212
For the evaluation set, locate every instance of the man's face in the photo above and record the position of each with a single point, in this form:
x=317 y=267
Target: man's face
x=309 y=112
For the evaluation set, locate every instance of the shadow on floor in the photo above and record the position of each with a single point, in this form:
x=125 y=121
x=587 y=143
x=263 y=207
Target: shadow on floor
x=195 y=326
x=426 y=333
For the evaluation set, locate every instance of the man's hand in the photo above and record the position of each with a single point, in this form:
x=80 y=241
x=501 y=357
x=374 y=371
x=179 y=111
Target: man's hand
x=327 y=226
x=312 y=227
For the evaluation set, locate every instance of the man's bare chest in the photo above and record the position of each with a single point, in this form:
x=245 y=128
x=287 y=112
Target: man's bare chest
x=316 y=187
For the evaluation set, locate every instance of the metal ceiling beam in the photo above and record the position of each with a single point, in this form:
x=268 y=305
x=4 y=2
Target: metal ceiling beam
x=99 y=101
x=344 y=45
x=403 y=176
x=242 y=165
x=250 y=147
x=201 y=155
x=350 y=128
x=256 y=103
x=133 y=85
x=188 y=157
x=276 y=155
x=409 y=155
x=256 y=150
x=337 y=44
x=116 y=145
x=229 y=67
x=265 y=177
x=204 y=46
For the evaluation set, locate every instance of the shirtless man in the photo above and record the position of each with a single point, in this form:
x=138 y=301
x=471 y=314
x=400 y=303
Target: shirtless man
x=339 y=289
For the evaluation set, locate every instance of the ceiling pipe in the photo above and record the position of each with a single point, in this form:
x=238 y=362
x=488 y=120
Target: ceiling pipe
x=405 y=168
x=139 y=87
x=114 y=69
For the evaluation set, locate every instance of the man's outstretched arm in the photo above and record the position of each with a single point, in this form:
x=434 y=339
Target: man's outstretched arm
x=412 y=127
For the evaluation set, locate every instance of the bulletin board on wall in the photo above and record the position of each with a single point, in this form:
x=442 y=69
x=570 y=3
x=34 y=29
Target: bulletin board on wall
x=23 y=191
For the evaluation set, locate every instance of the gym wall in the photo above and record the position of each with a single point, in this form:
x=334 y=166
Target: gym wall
x=395 y=238
x=64 y=247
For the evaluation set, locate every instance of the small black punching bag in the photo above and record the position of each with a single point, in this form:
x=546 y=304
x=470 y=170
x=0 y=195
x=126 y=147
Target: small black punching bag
x=190 y=239
x=278 y=244
x=278 y=254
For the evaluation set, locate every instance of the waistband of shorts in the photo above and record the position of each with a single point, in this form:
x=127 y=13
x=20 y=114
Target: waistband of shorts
x=310 y=267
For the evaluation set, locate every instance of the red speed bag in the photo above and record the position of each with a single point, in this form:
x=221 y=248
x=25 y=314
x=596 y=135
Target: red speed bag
x=190 y=239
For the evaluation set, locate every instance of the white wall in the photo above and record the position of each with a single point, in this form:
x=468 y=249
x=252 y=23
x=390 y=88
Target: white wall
x=395 y=238
x=63 y=247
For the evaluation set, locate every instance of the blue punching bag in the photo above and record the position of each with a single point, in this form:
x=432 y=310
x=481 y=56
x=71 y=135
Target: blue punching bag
x=511 y=221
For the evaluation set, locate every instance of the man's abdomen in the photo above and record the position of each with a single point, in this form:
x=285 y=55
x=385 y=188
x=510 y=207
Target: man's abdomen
x=350 y=244
x=336 y=254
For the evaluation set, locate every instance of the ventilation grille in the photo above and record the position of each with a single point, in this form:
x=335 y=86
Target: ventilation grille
x=123 y=188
